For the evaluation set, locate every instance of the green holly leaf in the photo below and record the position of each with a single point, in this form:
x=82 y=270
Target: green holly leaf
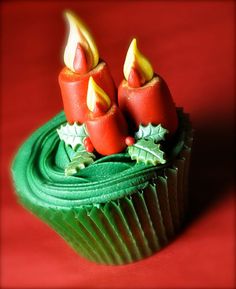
x=146 y=151
x=80 y=160
x=72 y=135
x=154 y=132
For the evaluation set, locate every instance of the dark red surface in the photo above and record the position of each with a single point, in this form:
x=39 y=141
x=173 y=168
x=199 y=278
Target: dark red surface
x=191 y=45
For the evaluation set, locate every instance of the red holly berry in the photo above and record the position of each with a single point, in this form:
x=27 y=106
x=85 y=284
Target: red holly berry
x=88 y=145
x=129 y=140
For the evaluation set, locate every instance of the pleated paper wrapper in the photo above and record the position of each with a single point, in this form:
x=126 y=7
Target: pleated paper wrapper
x=130 y=228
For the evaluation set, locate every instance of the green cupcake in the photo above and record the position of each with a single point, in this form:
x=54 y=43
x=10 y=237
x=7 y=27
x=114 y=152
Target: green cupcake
x=110 y=179
x=115 y=210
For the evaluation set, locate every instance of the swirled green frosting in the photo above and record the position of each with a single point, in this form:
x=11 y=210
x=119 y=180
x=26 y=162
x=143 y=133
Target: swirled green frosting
x=38 y=171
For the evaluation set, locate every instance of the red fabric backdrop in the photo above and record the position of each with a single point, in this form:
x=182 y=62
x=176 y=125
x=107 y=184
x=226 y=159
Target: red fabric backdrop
x=191 y=45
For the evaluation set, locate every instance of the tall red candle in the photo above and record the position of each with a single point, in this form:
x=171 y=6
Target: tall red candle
x=106 y=124
x=144 y=97
x=82 y=61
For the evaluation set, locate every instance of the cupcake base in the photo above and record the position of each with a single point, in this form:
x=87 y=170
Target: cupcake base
x=132 y=227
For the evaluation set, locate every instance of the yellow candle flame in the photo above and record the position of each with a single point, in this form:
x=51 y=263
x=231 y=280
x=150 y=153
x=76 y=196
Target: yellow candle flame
x=79 y=34
x=135 y=59
x=97 y=97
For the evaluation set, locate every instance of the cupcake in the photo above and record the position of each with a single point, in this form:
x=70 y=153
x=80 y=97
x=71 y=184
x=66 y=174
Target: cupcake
x=109 y=173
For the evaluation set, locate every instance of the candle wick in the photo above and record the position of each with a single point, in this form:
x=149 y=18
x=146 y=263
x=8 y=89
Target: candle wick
x=99 y=109
x=80 y=60
x=135 y=79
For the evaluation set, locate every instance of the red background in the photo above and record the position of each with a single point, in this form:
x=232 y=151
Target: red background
x=191 y=45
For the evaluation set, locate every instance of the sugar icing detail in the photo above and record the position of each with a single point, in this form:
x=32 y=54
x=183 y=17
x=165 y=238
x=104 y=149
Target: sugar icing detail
x=137 y=68
x=80 y=45
x=104 y=127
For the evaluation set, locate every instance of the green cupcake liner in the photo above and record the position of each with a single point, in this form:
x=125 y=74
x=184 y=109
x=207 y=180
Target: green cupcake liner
x=130 y=228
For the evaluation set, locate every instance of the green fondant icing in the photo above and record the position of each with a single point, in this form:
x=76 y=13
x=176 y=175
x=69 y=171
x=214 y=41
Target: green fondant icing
x=38 y=171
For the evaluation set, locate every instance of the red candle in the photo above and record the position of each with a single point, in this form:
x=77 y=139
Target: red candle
x=144 y=97
x=82 y=61
x=106 y=124
x=74 y=90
